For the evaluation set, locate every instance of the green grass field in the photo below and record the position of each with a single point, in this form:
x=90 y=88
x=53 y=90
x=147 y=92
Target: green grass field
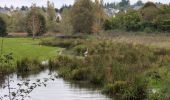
x=26 y=47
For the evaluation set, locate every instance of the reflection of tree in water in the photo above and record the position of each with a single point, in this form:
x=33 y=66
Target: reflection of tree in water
x=2 y=80
x=28 y=73
x=82 y=85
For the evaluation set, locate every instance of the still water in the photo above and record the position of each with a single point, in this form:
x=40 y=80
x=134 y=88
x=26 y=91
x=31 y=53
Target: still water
x=58 y=90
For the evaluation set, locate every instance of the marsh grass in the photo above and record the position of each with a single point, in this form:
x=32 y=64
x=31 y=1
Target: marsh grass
x=126 y=68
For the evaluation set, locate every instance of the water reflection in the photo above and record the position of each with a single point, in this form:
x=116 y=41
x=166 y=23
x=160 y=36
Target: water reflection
x=60 y=90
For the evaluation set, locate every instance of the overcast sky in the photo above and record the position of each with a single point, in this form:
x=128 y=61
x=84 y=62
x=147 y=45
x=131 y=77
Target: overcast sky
x=58 y=3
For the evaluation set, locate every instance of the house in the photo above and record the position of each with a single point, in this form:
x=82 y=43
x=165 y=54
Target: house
x=111 y=11
x=58 y=17
x=4 y=10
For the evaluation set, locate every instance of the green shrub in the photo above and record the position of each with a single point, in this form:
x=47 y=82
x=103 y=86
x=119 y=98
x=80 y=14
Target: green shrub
x=109 y=89
x=65 y=43
x=119 y=87
x=80 y=74
x=136 y=90
x=149 y=30
x=27 y=65
x=155 y=96
x=80 y=50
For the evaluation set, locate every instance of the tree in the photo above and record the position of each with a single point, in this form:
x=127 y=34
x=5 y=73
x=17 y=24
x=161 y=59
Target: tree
x=139 y=3
x=52 y=24
x=99 y=15
x=132 y=20
x=65 y=24
x=164 y=9
x=36 y=24
x=124 y=4
x=7 y=20
x=2 y=33
x=149 y=11
x=51 y=14
x=3 y=26
x=17 y=22
x=162 y=22
x=82 y=16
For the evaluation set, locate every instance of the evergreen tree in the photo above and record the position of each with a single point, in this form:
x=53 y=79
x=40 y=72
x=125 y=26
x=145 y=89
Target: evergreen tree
x=3 y=27
x=51 y=11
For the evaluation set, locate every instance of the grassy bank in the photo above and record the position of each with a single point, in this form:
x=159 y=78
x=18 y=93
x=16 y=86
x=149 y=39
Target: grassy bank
x=126 y=70
x=28 y=48
x=25 y=55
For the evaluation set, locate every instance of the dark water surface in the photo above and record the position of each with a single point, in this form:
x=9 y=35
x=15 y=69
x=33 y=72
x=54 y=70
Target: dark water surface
x=58 y=90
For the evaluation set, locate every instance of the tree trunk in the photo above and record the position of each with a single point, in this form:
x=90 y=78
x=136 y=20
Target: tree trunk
x=33 y=26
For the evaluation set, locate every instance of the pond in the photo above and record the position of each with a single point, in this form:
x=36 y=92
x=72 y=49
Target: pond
x=58 y=89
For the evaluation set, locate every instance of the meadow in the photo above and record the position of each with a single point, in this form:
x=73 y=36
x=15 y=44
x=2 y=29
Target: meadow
x=28 y=48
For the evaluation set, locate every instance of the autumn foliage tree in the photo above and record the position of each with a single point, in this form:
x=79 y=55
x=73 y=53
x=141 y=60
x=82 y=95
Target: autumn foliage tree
x=149 y=11
x=36 y=23
x=99 y=15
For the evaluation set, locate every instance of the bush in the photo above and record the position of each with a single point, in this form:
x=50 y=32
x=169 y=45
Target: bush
x=80 y=50
x=118 y=88
x=109 y=89
x=155 y=96
x=136 y=90
x=149 y=30
x=28 y=65
x=132 y=21
x=80 y=74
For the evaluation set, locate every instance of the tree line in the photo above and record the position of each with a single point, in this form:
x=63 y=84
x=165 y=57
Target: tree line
x=149 y=18
x=85 y=16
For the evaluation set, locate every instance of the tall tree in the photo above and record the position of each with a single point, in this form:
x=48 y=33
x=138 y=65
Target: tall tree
x=65 y=24
x=99 y=15
x=149 y=11
x=124 y=4
x=51 y=11
x=139 y=3
x=52 y=24
x=36 y=24
x=82 y=16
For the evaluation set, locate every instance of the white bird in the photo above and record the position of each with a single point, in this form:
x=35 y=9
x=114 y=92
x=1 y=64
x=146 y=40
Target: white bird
x=86 y=53
x=60 y=53
x=45 y=62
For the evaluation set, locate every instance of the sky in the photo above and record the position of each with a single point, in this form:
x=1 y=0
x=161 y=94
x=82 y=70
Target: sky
x=57 y=3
